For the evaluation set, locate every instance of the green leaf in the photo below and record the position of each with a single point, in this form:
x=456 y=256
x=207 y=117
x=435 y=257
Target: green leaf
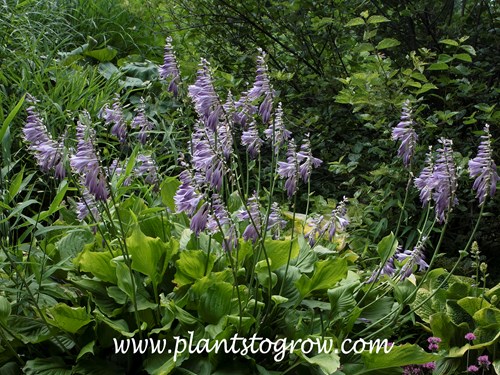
x=377 y=19
x=215 y=302
x=150 y=256
x=355 y=22
x=426 y=87
x=326 y=274
x=97 y=263
x=124 y=278
x=463 y=56
x=388 y=43
x=168 y=189
x=278 y=251
x=47 y=366
x=69 y=319
x=191 y=266
x=107 y=70
x=88 y=348
x=407 y=354
x=15 y=185
x=438 y=66
x=5 y=309
x=74 y=242
x=487 y=316
x=327 y=362
x=449 y=42
x=10 y=117
x=387 y=246
x=103 y=55
x=469 y=49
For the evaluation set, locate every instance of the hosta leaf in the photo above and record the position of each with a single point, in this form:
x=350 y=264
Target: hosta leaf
x=192 y=265
x=326 y=274
x=47 y=366
x=215 y=302
x=150 y=256
x=97 y=263
x=279 y=251
x=408 y=354
x=69 y=319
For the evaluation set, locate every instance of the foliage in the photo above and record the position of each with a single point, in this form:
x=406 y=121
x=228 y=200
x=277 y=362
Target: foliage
x=183 y=218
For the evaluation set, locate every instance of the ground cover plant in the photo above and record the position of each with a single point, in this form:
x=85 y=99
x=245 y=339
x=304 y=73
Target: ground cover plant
x=145 y=206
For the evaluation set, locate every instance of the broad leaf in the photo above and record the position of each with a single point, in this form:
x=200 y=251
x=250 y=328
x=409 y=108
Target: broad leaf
x=326 y=274
x=69 y=319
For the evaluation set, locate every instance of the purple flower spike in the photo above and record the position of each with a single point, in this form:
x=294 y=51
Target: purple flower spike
x=219 y=221
x=445 y=180
x=142 y=123
x=339 y=216
x=169 y=68
x=250 y=138
x=405 y=133
x=114 y=117
x=275 y=222
x=484 y=169
x=277 y=132
x=252 y=213
x=85 y=161
x=309 y=162
x=48 y=153
x=204 y=97
x=199 y=220
x=146 y=168
x=87 y=205
x=290 y=169
x=424 y=182
x=411 y=259
x=186 y=198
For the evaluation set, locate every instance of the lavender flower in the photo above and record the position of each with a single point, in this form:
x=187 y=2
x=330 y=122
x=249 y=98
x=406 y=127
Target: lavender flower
x=48 y=153
x=253 y=214
x=204 y=97
x=261 y=87
x=275 y=222
x=199 y=220
x=116 y=169
x=309 y=162
x=187 y=198
x=412 y=258
x=114 y=116
x=405 y=133
x=218 y=220
x=169 y=68
x=85 y=161
x=339 y=214
x=445 y=179
x=388 y=269
x=87 y=205
x=424 y=182
x=484 y=169
x=146 y=168
x=439 y=181
x=142 y=123
x=289 y=169
x=250 y=138
x=315 y=231
x=277 y=132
